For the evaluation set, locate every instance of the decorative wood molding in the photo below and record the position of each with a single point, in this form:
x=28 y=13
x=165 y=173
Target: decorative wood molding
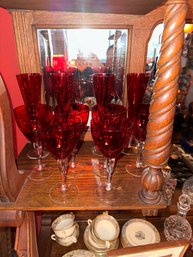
x=141 y=33
x=168 y=249
x=162 y=109
x=150 y=212
x=23 y=29
x=26 y=22
x=25 y=242
x=11 y=181
x=139 y=27
x=11 y=218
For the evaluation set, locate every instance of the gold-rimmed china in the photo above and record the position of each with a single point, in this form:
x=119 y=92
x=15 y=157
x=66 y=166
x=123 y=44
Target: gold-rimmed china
x=96 y=247
x=139 y=232
x=106 y=227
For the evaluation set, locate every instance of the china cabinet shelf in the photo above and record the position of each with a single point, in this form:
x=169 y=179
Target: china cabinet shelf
x=35 y=194
x=86 y=205
x=54 y=249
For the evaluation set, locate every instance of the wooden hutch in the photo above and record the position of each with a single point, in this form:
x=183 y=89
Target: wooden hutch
x=22 y=198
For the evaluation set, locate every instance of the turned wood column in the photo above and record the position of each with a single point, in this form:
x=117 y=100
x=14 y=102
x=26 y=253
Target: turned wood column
x=162 y=109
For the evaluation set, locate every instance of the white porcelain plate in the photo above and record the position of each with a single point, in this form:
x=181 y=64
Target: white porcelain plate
x=139 y=232
x=79 y=253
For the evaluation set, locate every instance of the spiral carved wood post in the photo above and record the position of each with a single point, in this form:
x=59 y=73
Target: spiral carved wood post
x=162 y=109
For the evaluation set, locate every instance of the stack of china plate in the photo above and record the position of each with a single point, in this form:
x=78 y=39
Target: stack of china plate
x=101 y=234
x=139 y=232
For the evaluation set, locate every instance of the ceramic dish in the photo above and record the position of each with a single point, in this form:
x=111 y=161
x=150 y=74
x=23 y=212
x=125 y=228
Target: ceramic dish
x=106 y=227
x=90 y=243
x=98 y=248
x=68 y=240
x=79 y=253
x=139 y=232
x=64 y=221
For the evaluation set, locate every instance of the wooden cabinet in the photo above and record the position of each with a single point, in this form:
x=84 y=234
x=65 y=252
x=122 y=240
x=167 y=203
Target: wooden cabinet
x=21 y=196
x=87 y=205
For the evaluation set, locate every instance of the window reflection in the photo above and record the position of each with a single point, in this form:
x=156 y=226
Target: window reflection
x=185 y=85
x=83 y=52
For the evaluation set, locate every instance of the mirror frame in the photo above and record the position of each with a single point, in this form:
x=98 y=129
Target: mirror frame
x=26 y=23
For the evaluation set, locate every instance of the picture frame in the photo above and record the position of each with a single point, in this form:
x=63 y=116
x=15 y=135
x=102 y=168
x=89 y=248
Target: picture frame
x=164 y=249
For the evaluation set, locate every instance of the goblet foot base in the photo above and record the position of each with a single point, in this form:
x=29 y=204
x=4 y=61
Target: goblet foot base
x=32 y=154
x=40 y=175
x=109 y=196
x=134 y=171
x=77 y=171
x=74 y=165
x=62 y=194
x=74 y=170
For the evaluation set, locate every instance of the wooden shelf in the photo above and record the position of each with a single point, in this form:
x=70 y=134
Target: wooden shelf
x=58 y=250
x=54 y=249
x=35 y=194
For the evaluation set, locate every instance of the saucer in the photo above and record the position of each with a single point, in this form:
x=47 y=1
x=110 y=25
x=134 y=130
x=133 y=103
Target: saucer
x=139 y=232
x=79 y=253
x=89 y=244
x=92 y=241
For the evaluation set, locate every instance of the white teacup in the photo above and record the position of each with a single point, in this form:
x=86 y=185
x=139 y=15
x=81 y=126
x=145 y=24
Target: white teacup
x=64 y=225
x=67 y=241
x=70 y=230
x=105 y=227
x=94 y=239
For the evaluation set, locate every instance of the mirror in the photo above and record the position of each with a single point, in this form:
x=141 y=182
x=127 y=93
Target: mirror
x=185 y=86
x=83 y=52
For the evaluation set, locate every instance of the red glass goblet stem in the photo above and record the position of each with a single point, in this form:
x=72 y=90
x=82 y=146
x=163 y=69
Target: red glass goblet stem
x=110 y=164
x=78 y=131
x=82 y=111
x=73 y=162
x=140 y=132
x=63 y=167
x=39 y=151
